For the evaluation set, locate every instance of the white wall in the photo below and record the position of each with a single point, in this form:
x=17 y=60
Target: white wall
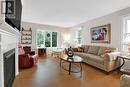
x=61 y=31
x=115 y=19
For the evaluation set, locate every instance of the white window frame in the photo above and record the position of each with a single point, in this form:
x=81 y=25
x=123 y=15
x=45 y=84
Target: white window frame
x=44 y=38
x=76 y=36
x=124 y=46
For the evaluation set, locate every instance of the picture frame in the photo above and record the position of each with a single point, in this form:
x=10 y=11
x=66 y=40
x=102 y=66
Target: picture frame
x=101 y=34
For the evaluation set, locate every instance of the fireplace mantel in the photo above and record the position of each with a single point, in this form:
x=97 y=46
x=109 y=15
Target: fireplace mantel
x=9 y=39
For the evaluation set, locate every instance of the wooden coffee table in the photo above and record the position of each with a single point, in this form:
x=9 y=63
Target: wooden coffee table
x=74 y=60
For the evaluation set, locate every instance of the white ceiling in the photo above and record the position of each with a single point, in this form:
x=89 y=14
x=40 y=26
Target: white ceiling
x=67 y=13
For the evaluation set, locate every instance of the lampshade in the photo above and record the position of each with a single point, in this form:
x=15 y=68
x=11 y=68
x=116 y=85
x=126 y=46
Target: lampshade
x=66 y=37
x=66 y=44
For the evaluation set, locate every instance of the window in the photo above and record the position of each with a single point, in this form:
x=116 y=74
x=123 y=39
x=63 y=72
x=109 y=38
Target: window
x=54 y=39
x=46 y=39
x=78 y=38
x=40 y=39
x=126 y=34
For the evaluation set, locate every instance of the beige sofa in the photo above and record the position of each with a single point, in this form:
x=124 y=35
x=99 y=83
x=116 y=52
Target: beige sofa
x=125 y=81
x=91 y=56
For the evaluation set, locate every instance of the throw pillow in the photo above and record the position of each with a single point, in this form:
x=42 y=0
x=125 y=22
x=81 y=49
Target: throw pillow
x=75 y=49
x=80 y=49
x=20 y=50
x=107 y=51
x=101 y=50
x=104 y=54
x=93 y=50
x=85 y=48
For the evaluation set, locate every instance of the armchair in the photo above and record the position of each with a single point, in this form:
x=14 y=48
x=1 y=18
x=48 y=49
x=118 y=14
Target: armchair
x=125 y=81
x=27 y=50
x=25 y=61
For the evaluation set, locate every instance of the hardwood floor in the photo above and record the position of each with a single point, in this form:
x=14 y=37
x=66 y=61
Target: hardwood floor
x=48 y=73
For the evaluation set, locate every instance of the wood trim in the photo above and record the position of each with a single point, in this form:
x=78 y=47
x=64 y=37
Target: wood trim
x=109 y=34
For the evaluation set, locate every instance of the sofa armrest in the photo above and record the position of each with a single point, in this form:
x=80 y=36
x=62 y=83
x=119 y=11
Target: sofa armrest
x=125 y=81
x=112 y=56
x=111 y=61
x=24 y=60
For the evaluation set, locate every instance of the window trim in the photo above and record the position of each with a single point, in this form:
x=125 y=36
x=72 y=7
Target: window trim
x=124 y=31
x=77 y=36
x=44 y=38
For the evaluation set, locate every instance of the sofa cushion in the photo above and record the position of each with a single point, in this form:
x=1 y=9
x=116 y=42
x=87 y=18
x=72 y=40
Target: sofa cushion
x=91 y=57
x=93 y=50
x=95 y=58
x=83 y=55
x=85 y=48
x=80 y=49
x=102 y=50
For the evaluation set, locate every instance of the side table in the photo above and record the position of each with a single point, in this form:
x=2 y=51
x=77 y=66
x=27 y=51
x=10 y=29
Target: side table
x=41 y=51
x=125 y=58
x=58 y=53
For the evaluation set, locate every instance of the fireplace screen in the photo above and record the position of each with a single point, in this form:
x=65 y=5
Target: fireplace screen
x=9 y=68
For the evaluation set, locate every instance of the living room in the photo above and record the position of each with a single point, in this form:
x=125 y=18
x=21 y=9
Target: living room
x=65 y=43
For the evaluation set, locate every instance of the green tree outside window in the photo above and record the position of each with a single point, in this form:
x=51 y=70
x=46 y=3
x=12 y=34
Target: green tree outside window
x=46 y=39
x=54 y=39
x=40 y=39
x=79 y=36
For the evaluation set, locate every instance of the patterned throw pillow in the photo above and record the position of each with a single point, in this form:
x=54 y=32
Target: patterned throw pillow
x=80 y=49
x=85 y=48
x=75 y=49
x=93 y=50
x=104 y=54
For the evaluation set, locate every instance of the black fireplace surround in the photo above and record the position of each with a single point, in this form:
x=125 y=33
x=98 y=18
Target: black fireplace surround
x=9 y=68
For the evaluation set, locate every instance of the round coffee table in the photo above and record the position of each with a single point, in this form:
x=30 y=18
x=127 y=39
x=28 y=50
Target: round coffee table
x=74 y=60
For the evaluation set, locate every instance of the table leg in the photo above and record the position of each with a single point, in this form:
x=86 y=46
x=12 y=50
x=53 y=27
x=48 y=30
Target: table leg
x=60 y=62
x=70 y=68
x=81 y=69
x=123 y=62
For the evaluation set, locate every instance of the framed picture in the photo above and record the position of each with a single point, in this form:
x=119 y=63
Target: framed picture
x=101 y=34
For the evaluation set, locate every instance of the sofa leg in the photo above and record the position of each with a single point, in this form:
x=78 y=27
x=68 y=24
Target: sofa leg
x=107 y=73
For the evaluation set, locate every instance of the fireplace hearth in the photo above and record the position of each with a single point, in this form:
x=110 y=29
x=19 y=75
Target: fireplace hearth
x=9 y=68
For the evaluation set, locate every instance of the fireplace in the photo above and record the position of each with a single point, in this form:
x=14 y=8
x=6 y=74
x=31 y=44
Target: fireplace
x=9 y=68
